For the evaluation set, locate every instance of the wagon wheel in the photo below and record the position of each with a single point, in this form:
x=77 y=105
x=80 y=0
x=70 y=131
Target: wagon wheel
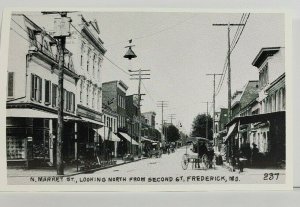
x=184 y=162
x=205 y=161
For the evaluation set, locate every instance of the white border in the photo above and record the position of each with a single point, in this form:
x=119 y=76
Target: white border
x=136 y=188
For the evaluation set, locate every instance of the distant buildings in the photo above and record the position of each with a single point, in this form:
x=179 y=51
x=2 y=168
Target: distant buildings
x=150 y=118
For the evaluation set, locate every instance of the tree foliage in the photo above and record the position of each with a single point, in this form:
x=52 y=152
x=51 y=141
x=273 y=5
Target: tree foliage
x=199 y=126
x=171 y=133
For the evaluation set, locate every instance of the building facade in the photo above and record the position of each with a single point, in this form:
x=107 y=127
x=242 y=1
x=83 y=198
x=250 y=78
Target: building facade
x=260 y=124
x=32 y=92
x=86 y=45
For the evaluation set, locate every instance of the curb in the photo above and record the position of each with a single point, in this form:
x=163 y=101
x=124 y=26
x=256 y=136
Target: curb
x=101 y=168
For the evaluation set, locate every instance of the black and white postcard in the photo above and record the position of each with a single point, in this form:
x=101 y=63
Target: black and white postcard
x=145 y=100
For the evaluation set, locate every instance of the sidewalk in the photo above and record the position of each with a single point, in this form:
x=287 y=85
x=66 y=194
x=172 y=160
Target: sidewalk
x=68 y=170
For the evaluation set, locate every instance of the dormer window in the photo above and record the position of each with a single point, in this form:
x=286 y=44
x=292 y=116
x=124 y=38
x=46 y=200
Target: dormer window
x=264 y=76
x=32 y=37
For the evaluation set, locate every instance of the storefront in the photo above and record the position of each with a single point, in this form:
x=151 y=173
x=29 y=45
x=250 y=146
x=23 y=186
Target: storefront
x=31 y=137
x=266 y=133
x=127 y=145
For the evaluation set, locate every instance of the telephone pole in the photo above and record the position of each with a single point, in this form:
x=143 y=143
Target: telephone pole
x=61 y=31
x=139 y=75
x=228 y=64
x=171 y=117
x=214 y=100
x=206 y=102
x=162 y=104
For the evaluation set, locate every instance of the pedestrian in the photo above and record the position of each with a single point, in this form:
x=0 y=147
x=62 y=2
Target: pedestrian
x=254 y=154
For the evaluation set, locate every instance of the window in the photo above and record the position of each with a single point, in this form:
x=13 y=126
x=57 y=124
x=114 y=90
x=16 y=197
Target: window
x=69 y=101
x=80 y=93
x=65 y=99
x=32 y=37
x=81 y=55
x=88 y=59
x=54 y=95
x=47 y=92
x=36 y=88
x=87 y=95
x=10 y=84
x=93 y=97
x=94 y=59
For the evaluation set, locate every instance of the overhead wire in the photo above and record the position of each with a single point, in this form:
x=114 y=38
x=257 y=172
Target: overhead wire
x=154 y=33
x=233 y=44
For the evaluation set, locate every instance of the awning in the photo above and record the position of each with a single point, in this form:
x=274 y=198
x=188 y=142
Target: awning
x=91 y=121
x=145 y=139
x=103 y=132
x=128 y=138
x=29 y=113
x=71 y=118
x=115 y=138
x=230 y=130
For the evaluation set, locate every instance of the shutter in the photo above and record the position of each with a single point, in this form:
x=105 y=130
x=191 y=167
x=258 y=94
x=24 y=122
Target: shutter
x=40 y=89
x=47 y=91
x=53 y=95
x=10 y=92
x=32 y=86
x=73 y=103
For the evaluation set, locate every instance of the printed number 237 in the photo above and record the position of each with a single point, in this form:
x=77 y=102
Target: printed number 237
x=271 y=176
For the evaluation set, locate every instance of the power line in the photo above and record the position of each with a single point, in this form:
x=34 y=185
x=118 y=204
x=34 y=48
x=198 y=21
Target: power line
x=234 y=42
x=241 y=32
x=155 y=33
x=152 y=99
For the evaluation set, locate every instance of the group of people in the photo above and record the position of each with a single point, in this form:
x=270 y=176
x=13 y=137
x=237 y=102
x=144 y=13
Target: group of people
x=244 y=154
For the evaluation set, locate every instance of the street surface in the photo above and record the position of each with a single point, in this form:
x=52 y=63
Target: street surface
x=164 y=170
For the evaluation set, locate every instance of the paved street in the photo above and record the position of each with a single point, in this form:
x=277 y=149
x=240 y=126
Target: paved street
x=166 y=170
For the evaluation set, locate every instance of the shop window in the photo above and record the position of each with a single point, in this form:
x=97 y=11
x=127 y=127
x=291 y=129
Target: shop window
x=16 y=148
x=36 y=88
x=10 y=86
x=47 y=92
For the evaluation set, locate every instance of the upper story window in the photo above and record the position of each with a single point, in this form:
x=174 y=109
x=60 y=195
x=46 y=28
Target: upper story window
x=88 y=59
x=46 y=48
x=264 y=76
x=80 y=93
x=87 y=94
x=54 y=95
x=36 y=88
x=82 y=52
x=94 y=59
x=32 y=37
x=10 y=84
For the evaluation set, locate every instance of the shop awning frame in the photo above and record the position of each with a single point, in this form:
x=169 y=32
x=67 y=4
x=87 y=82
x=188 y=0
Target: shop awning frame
x=230 y=131
x=29 y=113
x=128 y=138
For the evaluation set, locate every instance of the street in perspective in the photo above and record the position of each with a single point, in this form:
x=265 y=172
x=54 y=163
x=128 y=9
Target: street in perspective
x=145 y=98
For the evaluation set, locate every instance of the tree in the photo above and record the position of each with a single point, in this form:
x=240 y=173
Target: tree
x=199 y=126
x=171 y=133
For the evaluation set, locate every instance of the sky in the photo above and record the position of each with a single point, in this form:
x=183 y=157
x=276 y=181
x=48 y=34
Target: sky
x=180 y=49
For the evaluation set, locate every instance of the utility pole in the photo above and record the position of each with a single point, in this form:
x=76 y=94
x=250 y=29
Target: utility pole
x=172 y=116
x=162 y=104
x=214 y=101
x=61 y=31
x=138 y=75
x=228 y=64
x=206 y=102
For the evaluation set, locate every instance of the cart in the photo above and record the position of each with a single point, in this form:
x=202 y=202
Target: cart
x=201 y=155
